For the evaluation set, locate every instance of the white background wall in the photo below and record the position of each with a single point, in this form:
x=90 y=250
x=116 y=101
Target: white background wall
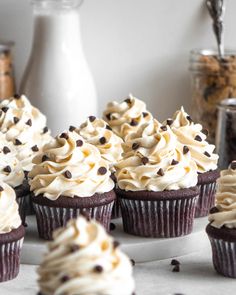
x=138 y=46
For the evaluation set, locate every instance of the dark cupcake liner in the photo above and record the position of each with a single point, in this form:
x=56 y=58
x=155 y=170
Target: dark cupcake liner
x=160 y=218
x=206 y=199
x=116 y=211
x=51 y=218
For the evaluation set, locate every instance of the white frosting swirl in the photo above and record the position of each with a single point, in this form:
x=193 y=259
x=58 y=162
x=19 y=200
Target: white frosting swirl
x=127 y=116
x=73 y=257
x=72 y=168
x=9 y=214
x=191 y=135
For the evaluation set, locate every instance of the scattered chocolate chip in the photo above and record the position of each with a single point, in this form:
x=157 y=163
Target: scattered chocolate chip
x=185 y=150
x=112 y=226
x=205 y=131
x=108 y=116
x=65 y=278
x=16 y=120
x=145 y=114
x=175 y=262
x=108 y=127
x=35 y=148
x=5 y=109
x=72 y=128
x=68 y=174
x=79 y=142
x=213 y=210
x=176 y=268
x=207 y=154
x=163 y=128
x=160 y=172
x=92 y=118
x=116 y=244
x=29 y=122
x=233 y=165
x=102 y=170
x=98 y=269
x=85 y=214
x=135 y=146
x=45 y=129
x=64 y=135
x=102 y=140
x=74 y=248
x=133 y=123
x=198 y=138
x=6 y=150
x=18 y=142
x=127 y=100
x=189 y=119
x=1 y=189
x=45 y=158
x=174 y=162
x=169 y=122
x=16 y=96
x=132 y=262
x=145 y=160
x=7 y=169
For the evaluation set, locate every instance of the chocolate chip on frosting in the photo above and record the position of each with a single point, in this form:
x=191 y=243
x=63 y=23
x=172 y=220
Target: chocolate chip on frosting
x=169 y=122
x=7 y=169
x=163 y=128
x=127 y=100
x=92 y=118
x=133 y=122
x=102 y=170
x=5 y=109
x=108 y=127
x=35 y=148
x=45 y=129
x=185 y=150
x=135 y=146
x=145 y=114
x=72 y=128
x=205 y=131
x=16 y=96
x=108 y=116
x=68 y=174
x=102 y=140
x=1 y=189
x=29 y=122
x=207 y=154
x=79 y=142
x=189 y=119
x=18 y=142
x=65 y=278
x=16 y=120
x=198 y=138
x=145 y=160
x=98 y=268
x=64 y=135
x=6 y=150
x=160 y=172
x=233 y=165
x=45 y=158
x=74 y=248
x=174 y=162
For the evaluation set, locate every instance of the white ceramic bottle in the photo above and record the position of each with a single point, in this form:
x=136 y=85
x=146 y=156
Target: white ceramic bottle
x=57 y=78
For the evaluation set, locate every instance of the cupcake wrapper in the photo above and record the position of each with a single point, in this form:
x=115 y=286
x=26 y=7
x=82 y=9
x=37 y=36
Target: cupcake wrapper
x=116 y=211
x=22 y=203
x=10 y=260
x=206 y=199
x=164 y=219
x=224 y=257
x=51 y=218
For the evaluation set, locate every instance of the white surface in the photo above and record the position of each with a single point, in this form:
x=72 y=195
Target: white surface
x=197 y=277
x=139 y=249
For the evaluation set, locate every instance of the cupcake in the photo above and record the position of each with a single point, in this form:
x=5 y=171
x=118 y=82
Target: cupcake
x=194 y=138
x=222 y=227
x=68 y=177
x=157 y=184
x=84 y=259
x=11 y=234
x=97 y=132
x=127 y=116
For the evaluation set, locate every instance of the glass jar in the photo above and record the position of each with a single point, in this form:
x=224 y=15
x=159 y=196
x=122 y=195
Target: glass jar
x=213 y=80
x=226 y=132
x=7 y=82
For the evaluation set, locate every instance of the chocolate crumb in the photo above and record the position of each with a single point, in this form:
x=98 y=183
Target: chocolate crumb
x=132 y=262
x=1 y=189
x=135 y=146
x=102 y=140
x=176 y=268
x=112 y=226
x=92 y=118
x=198 y=138
x=7 y=169
x=45 y=129
x=18 y=142
x=45 y=158
x=145 y=114
x=6 y=150
x=79 y=142
x=163 y=128
x=64 y=135
x=5 y=109
x=74 y=248
x=72 y=128
x=205 y=131
x=108 y=116
x=102 y=170
x=175 y=262
x=35 y=148
x=116 y=244
x=233 y=165
x=68 y=174
x=174 y=162
x=98 y=268
x=108 y=127
x=65 y=278
x=207 y=154
x=16 y=120
x=16 y=96
x=145 y=160
x=185 y=150
x=161 y=172
x=29 y=122
x=169 y=122
x=133 y=122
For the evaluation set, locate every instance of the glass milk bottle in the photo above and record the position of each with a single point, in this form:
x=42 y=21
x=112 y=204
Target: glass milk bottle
x=57 y=78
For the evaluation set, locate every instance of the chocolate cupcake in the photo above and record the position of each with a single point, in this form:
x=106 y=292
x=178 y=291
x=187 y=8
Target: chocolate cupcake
x=157 y=185
x=97 y=132
x=84 y=259
x=68 y=177
x=222 y=227
x=11 y=234
x=193 y=138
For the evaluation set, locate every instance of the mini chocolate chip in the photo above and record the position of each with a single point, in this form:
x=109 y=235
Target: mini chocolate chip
x=189 y=119
x=213 y=210
x=185 y=150
x=176 y=268
x=205 y=131
x=29 y=122
x=16 y=96
x=5 y=109
x=92 y=118
x=45 y=129
x=163 y=128
x=116 y=244
x=7 y=169
x=72 y=128
x=108 y=116
x=145 y=160
x=45 y=158
x=145 y=114
x=174 y=162
x=198 y=138
x=74 y=248
x=112 y=226
x=85 y=214
x=6 y=150
x=1 y=189
x=98 y=269
x=16 y=120
x=161 y=172
x=18 y=142
x=233 y=165
x=64 y=135
x=79 y=142
x=102 y=140
x=65 y=278
x=135 y=146
x=68 y=174
x=133 y=123
x=169 y=122
x=175 y=262
x=127 y=100
x=102 y=170
x=132 y=262
x=35 y=148
x=207 y=154
x=108 y=127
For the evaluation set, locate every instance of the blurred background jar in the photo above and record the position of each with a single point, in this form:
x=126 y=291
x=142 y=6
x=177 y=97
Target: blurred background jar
x=213 y=80
x=7 y=82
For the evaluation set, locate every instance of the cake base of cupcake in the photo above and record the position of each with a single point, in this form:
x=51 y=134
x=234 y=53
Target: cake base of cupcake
x=53 y=214
x=207 y=188
x=223 y=244
x=10 y=248
x=158 y=214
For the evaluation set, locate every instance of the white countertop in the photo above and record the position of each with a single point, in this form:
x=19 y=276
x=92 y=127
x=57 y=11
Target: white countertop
x=196 y=277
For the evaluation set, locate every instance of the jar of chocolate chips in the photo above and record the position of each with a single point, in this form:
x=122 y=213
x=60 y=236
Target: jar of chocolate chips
x=213 y=80
x=7 y=82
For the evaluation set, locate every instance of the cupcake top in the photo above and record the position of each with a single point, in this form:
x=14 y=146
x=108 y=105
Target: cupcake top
x=9 y=210
x=127 y=116
x=11 y=171
x=195 y=138
x=156 y=162
x=25 y=126
x=225 y=199
x=68 y=166
x=84 y=259
x=99 y=133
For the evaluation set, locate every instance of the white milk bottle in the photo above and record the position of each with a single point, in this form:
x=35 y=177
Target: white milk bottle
x=57 y=78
